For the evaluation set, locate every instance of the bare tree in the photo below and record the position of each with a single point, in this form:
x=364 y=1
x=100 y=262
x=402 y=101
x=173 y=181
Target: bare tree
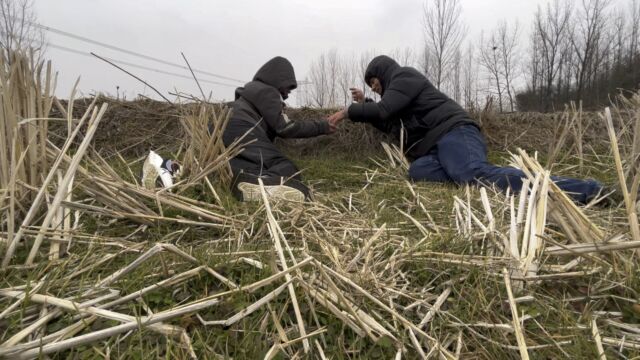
x=564 y=79
x=18 y=27
x=498 y=56
x=550 y=32
x=456 y=77
x=535 y=65
x=586 y=39
x=634 y=31
x=582 y=54
x=330 y=77
x=333 y=73
x=444 y=32
x=470 y=78
x=633 y=56
x=508 y=49
x=490 y=59
x=347 y=78
x=304 y=96
x=403 y=56
x=619 y=35
x=319 y=83
x=426 y=62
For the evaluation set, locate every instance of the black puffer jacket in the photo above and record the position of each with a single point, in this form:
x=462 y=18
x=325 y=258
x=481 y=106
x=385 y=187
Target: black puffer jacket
x=409 y=100
x=260 y=101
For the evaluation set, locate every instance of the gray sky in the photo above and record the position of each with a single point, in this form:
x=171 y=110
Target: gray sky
x=233 y=38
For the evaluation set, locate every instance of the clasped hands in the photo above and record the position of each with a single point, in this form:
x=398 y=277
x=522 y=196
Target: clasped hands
x=334 y=119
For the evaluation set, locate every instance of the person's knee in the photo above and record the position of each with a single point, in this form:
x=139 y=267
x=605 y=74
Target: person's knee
x=420 y=169
x=284 y=167
x=415 y=173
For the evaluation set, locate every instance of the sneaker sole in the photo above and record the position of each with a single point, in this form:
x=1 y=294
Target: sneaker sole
x=251 y=192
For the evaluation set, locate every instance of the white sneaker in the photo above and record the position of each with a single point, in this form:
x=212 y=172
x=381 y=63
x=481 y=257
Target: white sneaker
x=251 y=192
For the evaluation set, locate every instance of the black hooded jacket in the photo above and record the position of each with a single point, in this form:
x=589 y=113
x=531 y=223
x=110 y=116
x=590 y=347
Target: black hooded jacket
x=409 y=100
x=260 y=101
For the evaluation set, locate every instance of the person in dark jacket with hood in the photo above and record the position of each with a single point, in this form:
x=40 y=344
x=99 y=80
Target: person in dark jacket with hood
x=257 y=118
x=442 y=141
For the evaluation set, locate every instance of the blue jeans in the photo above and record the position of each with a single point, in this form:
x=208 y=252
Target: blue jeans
x=460 y=157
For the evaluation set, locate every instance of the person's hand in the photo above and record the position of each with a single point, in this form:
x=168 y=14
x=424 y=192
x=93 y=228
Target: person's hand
x=335 y=119
x=332 y=127
x=357 y=95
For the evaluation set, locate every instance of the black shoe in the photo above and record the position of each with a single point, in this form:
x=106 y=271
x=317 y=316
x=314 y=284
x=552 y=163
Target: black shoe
x=608 y=196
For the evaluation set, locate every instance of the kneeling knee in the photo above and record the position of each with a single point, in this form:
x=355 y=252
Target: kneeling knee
x=414 y=174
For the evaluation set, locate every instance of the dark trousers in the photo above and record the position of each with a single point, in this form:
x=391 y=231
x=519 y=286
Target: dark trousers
x=260 y=158
x=460 y=157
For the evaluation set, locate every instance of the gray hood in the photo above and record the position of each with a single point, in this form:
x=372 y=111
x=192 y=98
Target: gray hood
x=277 y=72
x=381 y=67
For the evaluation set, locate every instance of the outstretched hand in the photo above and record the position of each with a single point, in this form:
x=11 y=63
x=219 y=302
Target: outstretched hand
x=335 y=119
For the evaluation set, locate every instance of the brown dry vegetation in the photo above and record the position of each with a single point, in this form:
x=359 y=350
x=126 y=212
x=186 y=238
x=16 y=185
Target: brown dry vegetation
x=134 y=127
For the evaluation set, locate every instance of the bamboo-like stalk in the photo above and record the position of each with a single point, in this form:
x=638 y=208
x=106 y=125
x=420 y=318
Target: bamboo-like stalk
x=114 y=330
x=20 y=299
x=591 y=248
x=206 y=152
x=81 y=309
x=16 y=338
x=178 y=278
x=598 y=339
x=435 y=308
x=275 y=235
x=368 y=244
x=522 y=345
x=629 y=199
x=364 y=321
x=251 y=308
x=577 y=219
x=347 y=320
x=19 y=84
x=62 y=334
x=61 y=194
x=399 y=317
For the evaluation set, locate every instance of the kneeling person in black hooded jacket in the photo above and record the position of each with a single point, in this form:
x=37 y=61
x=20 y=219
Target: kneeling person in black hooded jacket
x=441 y=139
x=257 y=119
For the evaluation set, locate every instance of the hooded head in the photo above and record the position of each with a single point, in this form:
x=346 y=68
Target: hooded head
x=278 y=72
x=381 y=67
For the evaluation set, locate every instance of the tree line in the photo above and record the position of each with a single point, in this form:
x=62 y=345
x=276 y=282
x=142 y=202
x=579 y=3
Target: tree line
x=582 y=51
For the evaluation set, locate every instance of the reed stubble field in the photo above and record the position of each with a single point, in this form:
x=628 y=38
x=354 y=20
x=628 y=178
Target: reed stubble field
x=95 y=266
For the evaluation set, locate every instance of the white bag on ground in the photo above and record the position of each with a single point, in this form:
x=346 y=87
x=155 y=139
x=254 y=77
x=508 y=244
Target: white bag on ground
x=154 y=174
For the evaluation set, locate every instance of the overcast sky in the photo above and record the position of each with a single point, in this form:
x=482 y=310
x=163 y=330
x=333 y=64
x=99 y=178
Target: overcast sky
x=233 y=38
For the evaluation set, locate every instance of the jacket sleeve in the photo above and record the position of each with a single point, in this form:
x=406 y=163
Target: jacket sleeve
x=401 y=92
x=271 y=109
x=377 y=122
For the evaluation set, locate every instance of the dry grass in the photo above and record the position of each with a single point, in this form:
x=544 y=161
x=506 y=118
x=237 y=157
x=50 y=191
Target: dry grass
x=376 y=267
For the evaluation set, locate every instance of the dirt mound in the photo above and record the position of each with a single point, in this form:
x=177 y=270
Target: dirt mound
x=134 y=127
x=130 y=127
x=539 y=131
